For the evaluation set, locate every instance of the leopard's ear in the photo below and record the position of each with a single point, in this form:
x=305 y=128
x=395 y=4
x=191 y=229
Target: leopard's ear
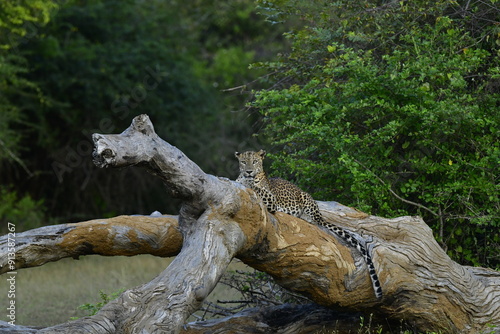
x=262 y=153
x=237 y=154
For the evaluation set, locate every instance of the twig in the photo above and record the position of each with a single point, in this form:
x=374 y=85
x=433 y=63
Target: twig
x=394 y=193
x=242 y=87
x=16 y=159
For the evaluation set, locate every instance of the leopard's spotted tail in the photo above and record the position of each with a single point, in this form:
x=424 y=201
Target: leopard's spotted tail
x=353 y=241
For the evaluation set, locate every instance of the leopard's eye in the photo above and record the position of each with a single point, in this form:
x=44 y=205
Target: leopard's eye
x=255 y=162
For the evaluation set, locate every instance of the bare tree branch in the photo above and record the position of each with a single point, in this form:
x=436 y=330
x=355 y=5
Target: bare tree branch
x=122 y=235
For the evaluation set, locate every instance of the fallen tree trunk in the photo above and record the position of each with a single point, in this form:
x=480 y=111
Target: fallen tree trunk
x=296 y=319
x=221 y=219
x=287 y=318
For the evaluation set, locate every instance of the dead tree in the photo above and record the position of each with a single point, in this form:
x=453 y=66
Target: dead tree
x=220 y=219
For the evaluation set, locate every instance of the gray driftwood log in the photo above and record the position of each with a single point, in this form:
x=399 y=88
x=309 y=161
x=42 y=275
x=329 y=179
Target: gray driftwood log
x=220 y=219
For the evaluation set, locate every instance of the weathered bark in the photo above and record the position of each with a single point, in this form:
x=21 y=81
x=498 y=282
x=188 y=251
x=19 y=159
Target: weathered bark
x=122 y=235
x=221 y=219
x=287 y=318
x=291 y=319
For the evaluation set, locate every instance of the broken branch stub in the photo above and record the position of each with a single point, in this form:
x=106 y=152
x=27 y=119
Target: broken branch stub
x=140 y=145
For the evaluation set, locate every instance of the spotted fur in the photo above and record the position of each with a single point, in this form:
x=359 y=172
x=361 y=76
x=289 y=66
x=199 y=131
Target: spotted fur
x=280 y=195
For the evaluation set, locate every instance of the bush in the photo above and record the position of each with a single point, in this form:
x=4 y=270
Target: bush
x=25 y=212
x=410 y=129
x=92 y=309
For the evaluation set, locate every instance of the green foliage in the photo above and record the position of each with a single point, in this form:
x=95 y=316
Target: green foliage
x=400 y=120
x=20 y=21
x=82 y=67
x=25 y=212
x=366 y=328
x=92 y=309
x=9 y=112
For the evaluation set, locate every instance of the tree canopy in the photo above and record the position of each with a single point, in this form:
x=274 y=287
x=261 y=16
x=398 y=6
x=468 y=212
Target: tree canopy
x=71 y=68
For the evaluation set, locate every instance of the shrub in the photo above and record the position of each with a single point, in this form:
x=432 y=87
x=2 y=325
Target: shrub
x=408 y=129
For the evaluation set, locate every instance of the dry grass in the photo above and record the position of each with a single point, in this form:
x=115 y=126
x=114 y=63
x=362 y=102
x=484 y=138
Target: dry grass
x=51 y=294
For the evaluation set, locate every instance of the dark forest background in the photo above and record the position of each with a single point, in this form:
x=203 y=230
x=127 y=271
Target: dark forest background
x=392 y=107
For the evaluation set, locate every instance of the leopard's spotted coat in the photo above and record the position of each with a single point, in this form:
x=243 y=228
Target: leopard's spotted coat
x=280 y=195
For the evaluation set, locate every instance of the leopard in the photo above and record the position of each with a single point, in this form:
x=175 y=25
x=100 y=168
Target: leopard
x=280 y=195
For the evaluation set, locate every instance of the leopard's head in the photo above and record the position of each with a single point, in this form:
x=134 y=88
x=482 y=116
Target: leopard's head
x=251 y=163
